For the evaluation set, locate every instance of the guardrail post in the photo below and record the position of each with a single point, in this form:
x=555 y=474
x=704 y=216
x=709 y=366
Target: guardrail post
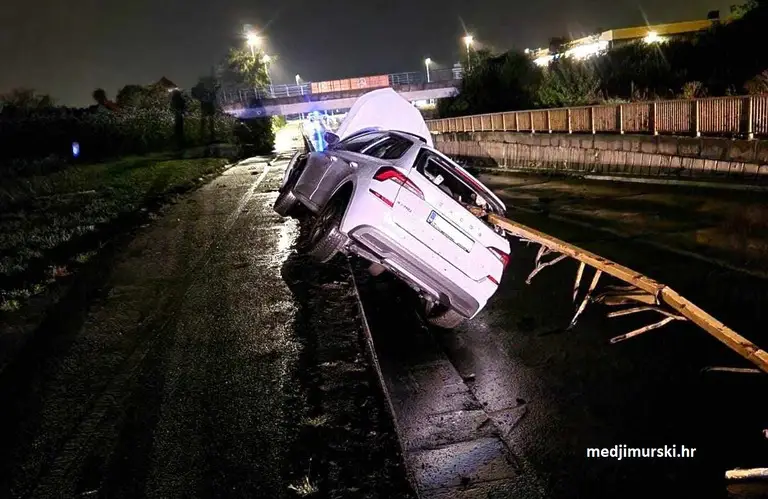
x=750 y=118
x=530 y=116
x=696 y=117
x=503 y=121
x=517 y=123
x=620 y=119
x=568 y=115
x=654 y=129
x=549 y=122
x=471 y=123
x=592 y=119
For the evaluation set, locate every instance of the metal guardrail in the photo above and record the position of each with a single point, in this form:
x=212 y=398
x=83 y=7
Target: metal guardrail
x=642 y=294
x=244 y=95
x=742 y=116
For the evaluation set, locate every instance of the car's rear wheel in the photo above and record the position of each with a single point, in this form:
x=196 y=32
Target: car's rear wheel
x=326 y=238
x=444 y=317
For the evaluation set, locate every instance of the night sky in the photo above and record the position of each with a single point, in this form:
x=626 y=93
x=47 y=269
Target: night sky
x=68 y=48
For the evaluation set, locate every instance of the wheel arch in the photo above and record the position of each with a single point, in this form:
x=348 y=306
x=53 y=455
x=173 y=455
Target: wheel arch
x=345 y=190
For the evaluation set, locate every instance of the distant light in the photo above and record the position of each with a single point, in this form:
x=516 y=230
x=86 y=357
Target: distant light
x=266 y=58
x=469 y=40
x=75 y=149
x=652 y=37
x=544 y=60
x=587 y=50
x=527 y=51
x=252 y=39
x=427 y=61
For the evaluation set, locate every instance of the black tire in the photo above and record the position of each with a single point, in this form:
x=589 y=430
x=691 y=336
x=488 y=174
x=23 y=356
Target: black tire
x=325 y=238
x=286 y=203
x=445 y=318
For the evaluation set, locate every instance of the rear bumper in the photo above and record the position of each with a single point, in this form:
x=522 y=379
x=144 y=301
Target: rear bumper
x=412 y=269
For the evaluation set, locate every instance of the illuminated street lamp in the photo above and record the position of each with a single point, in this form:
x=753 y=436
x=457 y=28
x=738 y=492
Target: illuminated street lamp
x=652 y=37
x=427 y=62
x=468 y=40
x=298 y=83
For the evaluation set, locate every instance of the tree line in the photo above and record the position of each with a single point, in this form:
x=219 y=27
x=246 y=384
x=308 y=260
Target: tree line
x=140 y=119
x=727 y=59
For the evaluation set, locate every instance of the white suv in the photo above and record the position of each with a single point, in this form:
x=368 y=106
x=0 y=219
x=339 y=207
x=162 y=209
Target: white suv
x=382 y=192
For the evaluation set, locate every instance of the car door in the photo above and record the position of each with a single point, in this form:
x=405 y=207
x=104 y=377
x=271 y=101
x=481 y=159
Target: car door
x=434 y=213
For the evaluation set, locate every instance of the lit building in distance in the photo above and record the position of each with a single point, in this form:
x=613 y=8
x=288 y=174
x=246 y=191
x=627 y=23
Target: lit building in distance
x=598 y=43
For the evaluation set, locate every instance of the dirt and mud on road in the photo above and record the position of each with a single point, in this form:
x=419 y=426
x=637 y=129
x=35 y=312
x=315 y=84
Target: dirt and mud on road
x=207 y=359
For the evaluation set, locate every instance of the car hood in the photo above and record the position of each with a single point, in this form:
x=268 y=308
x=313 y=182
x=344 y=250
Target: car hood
x=385 y=109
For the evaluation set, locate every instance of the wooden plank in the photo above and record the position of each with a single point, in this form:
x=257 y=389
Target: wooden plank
x=619 y=271
x=726 y=335
x=663 y=293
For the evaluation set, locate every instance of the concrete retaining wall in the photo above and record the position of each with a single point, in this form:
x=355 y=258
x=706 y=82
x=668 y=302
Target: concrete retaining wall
x=635 y=155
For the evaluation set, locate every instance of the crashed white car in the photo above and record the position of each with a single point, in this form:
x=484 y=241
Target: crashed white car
x=382 y=192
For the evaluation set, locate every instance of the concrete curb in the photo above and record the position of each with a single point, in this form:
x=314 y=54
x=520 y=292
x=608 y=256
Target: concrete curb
x=380 y=376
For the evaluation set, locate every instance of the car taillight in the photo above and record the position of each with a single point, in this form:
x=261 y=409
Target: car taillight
x=493 y=280
x=501 y=256
x=389 y=173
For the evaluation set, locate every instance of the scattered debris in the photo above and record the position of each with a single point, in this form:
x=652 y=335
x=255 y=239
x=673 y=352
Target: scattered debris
x=747 y=474
x=739 y=370
x=317 y=420
x=304 y=488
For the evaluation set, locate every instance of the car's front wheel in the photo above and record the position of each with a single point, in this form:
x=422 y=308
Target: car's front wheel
x=326 y=238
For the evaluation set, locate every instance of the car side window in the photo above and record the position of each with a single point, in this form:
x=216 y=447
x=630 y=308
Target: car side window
x=357 y=143
x=436 y=171
x=392 y=148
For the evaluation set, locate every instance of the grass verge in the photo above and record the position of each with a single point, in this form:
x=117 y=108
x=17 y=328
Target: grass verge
x=51 y=224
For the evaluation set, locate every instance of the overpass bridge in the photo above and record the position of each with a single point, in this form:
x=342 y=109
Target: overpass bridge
x=290 y=100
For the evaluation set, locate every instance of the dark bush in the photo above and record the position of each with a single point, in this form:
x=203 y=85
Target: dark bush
x=101 y=133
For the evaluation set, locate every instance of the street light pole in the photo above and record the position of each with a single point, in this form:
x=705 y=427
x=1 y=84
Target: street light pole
x=427 y=62
x=468 y=42
x=298 y=82
x=267 y=59
x=253 y=40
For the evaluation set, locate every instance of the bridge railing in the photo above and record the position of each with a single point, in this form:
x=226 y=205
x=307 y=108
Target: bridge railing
x=740 y=116
x=245 y=95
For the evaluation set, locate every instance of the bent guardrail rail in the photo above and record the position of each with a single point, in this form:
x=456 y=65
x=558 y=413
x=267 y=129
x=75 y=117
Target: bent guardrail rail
x=642 y=294
x=741 y=116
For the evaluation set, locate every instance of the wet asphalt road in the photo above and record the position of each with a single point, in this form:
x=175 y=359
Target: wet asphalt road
x=195 y=371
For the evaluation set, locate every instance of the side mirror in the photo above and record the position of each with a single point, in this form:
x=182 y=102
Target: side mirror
x=330 y=138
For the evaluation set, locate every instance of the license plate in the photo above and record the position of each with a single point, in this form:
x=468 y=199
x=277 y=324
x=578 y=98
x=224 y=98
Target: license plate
x=450 y=231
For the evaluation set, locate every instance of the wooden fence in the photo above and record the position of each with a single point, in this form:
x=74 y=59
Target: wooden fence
x=741 y=116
